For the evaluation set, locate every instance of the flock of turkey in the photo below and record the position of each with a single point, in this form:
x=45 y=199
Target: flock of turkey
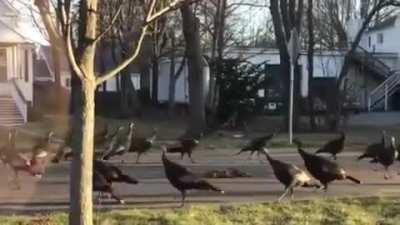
x=322 y=170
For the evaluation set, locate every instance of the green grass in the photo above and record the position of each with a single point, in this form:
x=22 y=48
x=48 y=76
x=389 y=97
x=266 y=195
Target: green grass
x=369 y=211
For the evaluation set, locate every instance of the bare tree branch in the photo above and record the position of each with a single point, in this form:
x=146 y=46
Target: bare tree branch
x=149 y=19
x=109 y=74
x=171 y=6
x=71 y=55
x=113 y=20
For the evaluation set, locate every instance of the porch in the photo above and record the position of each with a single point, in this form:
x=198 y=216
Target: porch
x=16 y=86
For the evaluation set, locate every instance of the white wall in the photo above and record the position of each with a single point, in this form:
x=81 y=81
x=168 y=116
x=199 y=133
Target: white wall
x=326 y=63
x=390 y=40
x=181 y=86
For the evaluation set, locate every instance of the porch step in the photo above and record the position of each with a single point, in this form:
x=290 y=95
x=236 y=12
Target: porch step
x=9 y=113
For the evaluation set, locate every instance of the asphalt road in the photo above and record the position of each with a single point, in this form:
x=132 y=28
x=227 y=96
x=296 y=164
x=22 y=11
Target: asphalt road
x=51 y=192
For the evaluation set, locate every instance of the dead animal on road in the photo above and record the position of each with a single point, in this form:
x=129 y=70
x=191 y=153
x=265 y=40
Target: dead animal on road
x=226 y=173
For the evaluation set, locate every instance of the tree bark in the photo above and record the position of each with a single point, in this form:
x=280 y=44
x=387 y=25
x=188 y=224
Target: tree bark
x=339 y=93
x=284 y=57
x=154 y=83
x=310 y=59
x=191 y=31
x=81 y=210
x=172 y=84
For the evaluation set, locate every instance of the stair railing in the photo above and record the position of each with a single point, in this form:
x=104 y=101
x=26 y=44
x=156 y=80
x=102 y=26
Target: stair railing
x=20 y=100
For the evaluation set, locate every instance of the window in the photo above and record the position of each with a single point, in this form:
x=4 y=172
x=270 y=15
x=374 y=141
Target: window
x=380 y=38
x=67 y=82
x=369 y=41
x=26 y=63
x=3 y=65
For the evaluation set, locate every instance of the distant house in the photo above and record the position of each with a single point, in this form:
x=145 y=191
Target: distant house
x=381 y=41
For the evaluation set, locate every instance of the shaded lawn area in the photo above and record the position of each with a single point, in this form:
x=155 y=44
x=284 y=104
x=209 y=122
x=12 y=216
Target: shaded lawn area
x=358 y=136
x=367 y=211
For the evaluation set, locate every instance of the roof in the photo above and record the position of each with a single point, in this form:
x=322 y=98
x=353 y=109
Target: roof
x=389 y=22
x=18 y=27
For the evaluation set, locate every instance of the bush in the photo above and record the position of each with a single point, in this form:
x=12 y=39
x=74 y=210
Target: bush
x=239 y=82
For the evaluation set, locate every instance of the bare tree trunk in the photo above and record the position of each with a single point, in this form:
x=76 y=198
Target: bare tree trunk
x=310 y=58
x=132 y=97
x=124 y=102
x=172 y=80
x=155 y=73
x=280 y=38
x=145 y=83
x=339 y=93
x=218 y=47
x=82 y=165
x=196 y=78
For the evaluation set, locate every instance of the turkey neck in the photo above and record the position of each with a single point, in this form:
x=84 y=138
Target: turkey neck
x=130 y=137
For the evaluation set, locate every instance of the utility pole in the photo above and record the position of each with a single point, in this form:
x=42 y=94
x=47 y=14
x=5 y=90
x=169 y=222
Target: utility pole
x=294 y=50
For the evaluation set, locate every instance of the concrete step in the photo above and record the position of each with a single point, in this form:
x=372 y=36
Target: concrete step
x=9 y=113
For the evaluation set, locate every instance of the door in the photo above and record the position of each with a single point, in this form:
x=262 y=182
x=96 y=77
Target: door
x=3 y=65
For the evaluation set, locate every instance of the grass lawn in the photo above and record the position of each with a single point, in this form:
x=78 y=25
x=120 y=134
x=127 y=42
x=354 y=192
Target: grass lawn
x=368 y=211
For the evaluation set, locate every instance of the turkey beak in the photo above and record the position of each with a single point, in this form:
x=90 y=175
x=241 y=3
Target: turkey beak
x=39 y=176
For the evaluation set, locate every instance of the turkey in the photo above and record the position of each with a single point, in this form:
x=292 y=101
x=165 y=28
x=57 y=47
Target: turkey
x=17 y=162
x=142 y=145
x=290 y=176
x=64 y=153
x=373 y=149
x=43 y=143
x=186 y=146
x=334 y=146
x=121 y=146
x=105 y=174
x=323 y=169
x=387 y=156
x=102 y=136
x=257 y=145
x=112 y=173
x=8 y=147
x=101 y=185
x=183 y=179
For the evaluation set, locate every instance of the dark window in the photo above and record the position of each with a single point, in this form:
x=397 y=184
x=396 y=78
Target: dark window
x=68 y=82
x=3 y=65
x=369 y=41
x=26 y=66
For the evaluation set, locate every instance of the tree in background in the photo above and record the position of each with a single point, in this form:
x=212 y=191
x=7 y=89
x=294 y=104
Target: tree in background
x=310 y=61
x=240 y=81
x=286 y=15
x=197 y=79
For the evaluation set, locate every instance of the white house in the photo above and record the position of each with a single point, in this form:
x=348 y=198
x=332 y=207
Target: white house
x=18 y=41
x=381 y=41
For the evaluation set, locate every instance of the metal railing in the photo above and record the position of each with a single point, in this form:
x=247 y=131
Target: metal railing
x=384 y=91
